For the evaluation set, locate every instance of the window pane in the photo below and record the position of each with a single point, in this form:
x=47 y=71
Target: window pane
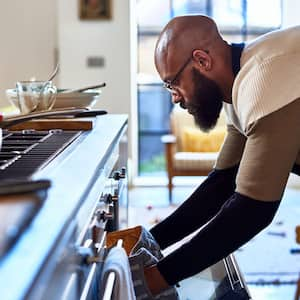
x=146 y=65
x=152 y=157
x=153 y=14
x=264 y=13
x=228 y=14
x=154 y=109
x=184 y=7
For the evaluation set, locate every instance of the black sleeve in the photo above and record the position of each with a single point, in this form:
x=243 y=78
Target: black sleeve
x=239 y=219
x=198 y=209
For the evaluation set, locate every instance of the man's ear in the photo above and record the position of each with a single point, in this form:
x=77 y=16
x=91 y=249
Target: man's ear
x=203 y=59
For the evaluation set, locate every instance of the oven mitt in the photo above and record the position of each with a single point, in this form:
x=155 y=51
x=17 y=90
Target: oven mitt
x=138 y=261
x=133 y=239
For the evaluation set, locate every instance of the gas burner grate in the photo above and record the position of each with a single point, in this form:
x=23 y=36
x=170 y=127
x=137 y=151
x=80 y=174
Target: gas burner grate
x=23 y=153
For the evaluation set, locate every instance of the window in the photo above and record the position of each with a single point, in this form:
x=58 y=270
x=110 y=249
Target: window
x=238 y=20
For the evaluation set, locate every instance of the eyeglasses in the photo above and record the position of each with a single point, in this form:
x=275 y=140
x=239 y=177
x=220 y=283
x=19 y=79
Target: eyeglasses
x=169 y=84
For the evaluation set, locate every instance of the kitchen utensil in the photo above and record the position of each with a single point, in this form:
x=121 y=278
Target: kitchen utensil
x=35 y=96
x=54 y=73
x=7 y=122
x=90 y=113
x=103 y=84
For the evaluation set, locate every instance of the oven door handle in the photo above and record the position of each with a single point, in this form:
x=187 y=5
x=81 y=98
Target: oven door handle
x=87 y=287
x=71 y=287
x=93 y=260
x=110 y=281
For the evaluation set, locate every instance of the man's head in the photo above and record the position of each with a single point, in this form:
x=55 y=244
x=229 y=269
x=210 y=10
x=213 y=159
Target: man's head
x=195 y=64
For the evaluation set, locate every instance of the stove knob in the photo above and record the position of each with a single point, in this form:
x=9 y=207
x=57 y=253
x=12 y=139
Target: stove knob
x=28 y=131
x=123 y=172
x=104 y=216
x=106 y=198
x=55 y=131
x=298 y=234
x=119 y=174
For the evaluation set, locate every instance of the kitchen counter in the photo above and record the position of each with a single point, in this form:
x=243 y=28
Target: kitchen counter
x=77 y=175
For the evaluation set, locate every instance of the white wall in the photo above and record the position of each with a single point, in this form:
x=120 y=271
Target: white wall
x=111 y=39
x=28 y=41
x=32 y=30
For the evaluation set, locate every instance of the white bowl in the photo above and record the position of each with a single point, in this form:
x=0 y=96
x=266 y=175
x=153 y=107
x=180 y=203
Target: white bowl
x=63 y=100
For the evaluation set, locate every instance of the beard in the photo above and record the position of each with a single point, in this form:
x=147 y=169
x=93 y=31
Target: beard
x=206 y=103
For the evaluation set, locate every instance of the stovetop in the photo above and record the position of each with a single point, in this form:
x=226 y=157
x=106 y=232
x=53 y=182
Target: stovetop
x=22 y=154
x=25 y=152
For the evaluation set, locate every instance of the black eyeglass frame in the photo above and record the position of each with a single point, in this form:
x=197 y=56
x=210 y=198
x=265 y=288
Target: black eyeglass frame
x=168 y=85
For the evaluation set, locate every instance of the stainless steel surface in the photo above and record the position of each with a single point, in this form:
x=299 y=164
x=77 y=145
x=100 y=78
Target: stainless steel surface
x=222 y=281
x=53 y=269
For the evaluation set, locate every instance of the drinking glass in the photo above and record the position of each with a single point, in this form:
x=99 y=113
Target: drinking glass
x=35 y=96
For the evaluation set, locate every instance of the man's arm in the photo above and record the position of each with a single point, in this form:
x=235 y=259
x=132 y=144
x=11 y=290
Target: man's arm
x=208 y=198
x=270 y=152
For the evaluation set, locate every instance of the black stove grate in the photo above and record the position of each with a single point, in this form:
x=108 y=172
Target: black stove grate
x=23 y=153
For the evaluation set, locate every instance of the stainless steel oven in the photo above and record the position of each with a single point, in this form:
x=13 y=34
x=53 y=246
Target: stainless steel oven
x=222 y=281
x=60 y=253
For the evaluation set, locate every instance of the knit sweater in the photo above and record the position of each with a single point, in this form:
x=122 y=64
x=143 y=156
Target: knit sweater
x=269 y=77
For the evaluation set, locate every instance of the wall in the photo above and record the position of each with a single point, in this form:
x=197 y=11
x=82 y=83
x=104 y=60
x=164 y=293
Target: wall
x=113 y=40
x=34 y=32
x=28 y=41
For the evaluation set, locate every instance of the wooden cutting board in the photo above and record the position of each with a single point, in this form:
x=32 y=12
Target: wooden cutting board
x=63 y=123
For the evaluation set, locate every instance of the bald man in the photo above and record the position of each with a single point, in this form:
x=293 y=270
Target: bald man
x=258 y=85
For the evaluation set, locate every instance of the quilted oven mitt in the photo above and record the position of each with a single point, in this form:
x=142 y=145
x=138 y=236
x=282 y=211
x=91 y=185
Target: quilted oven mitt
x=133 y=239
x=142 y=251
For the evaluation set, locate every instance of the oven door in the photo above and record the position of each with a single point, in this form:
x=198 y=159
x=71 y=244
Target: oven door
x=222 y=281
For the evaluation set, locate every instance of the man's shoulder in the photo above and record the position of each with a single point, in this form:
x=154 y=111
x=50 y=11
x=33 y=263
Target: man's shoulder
x=272 y=45
x=269 y=77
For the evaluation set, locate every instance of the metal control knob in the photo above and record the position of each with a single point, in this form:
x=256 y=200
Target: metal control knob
x=119 y=174
x=298 y=234
x=106 y=198
x=123 y=172
x=104 y=216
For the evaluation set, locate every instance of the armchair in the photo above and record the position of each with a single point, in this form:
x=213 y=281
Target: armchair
x=188 y=150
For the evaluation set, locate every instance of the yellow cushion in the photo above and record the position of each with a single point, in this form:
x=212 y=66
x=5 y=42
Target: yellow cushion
x=194 y=140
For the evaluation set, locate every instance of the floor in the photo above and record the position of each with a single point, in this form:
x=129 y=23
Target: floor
x=269 y=268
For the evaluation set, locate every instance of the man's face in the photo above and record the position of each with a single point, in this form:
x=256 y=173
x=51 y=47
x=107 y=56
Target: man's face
x=205 y=102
